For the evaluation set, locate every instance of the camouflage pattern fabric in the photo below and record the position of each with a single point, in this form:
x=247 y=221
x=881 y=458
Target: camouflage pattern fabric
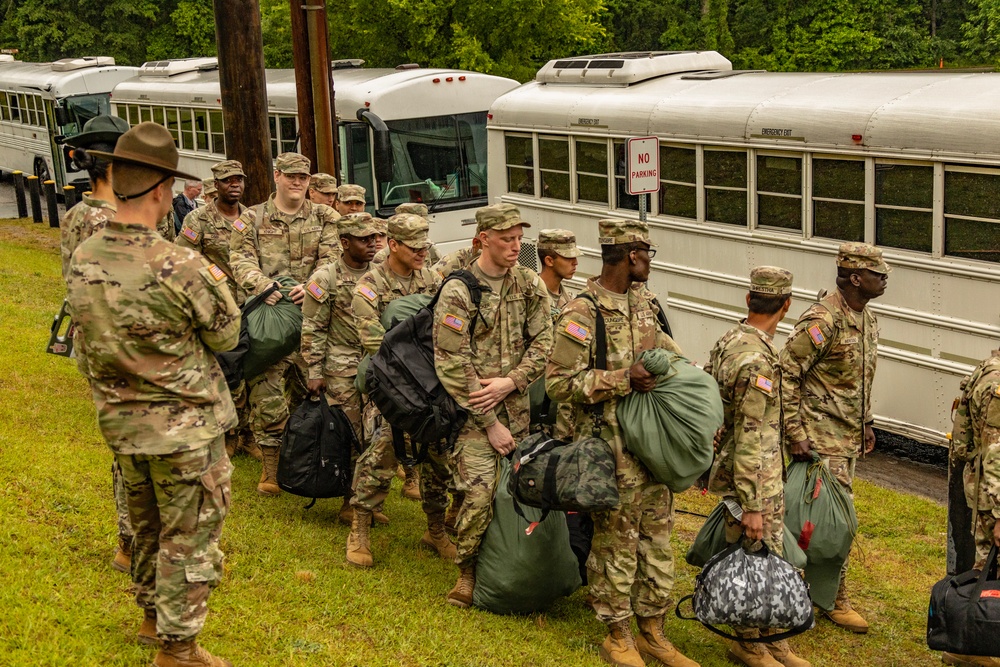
x=208 y=232
x=513 y=333
x=125 y=533
x=137 y=300
x=81 y=222
x=177 y=503
x=749 y=463
x=375 y=290
x=558 y=301
x=453 y=261
x=433 y=255
x=165 y=227
x=828 y=365
x=630 y=568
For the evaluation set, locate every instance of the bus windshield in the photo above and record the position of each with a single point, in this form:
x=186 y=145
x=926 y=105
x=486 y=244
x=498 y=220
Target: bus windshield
x=82 y=108
x=440 y=159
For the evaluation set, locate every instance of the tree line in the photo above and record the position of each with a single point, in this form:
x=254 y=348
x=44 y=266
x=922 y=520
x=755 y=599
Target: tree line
x=515 y=37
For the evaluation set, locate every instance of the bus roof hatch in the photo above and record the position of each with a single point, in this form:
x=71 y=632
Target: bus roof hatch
x=624 y=69
x=70 y=64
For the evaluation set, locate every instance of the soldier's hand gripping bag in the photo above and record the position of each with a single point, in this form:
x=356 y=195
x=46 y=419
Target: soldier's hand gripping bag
x=670 y=428
x=315 y=459
x=518 y=573
x=274 y=331
x=711 y=539
x=964 y=612
x=550 y=474
x=821 y=517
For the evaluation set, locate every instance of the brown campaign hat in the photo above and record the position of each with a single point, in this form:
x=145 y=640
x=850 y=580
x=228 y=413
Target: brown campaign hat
x=148 y=145
x=771 y=280
x=853 y=255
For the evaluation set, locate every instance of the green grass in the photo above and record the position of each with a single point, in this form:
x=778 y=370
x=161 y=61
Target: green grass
x=288 y=597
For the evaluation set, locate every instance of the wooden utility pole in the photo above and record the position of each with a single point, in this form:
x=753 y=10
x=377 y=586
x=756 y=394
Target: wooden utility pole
x=303 y=80
x=319 y=61
x=244 y=94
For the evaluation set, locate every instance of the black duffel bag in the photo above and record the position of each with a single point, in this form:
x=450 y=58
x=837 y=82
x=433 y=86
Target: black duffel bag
x=315 y=459
x=964 y=614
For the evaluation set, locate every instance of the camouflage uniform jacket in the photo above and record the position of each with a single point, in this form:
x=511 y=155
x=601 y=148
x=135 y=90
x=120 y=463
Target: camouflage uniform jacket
x=150 y=315
x=976 y=437
x=749 y=462
x=282 y=244
x=330 y=344
x=165 y=227
x=453 y=261
x=570 y=376
x=208 y=232
x=511 y=337
x=374 y=292
x=80 y=223
x=433 y=256
x=558 y=301
x=827 y=368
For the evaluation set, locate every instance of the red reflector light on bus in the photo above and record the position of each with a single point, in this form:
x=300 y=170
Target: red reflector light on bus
x=367 y=104
x=461 y=78
x=436 y=80
x=489 y=116
x=450 y=79
x=856 y=137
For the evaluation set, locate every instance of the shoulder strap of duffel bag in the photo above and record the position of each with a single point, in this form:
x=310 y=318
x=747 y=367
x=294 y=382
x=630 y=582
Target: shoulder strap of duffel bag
x=600 y=361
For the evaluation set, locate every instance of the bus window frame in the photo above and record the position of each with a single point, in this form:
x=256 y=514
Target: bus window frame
x=945 y=216
x=935 y=210
x=804 y=186
x=575 y=171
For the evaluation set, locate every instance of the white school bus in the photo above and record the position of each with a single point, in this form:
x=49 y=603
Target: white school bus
x=781 y=168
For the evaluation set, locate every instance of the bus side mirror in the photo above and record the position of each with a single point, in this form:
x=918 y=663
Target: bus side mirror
x=62 y=116
x=381 y=144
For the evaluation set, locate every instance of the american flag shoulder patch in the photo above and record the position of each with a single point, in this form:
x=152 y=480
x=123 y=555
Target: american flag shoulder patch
x=577 y=331
x=817 y=335
x=453 y=322
x=217 y=273
x=239 y=225
x=763 y=383
x=367 y=292
x=317 y=291
x=190 y=234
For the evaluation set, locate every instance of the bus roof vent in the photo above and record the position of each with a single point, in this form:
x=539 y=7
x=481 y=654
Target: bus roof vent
x=346 y=63
x=623 y=69
x=178 y=66
x=70 y=64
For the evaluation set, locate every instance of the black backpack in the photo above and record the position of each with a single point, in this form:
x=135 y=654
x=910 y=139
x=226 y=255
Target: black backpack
x=315 y=459
x=404 y=386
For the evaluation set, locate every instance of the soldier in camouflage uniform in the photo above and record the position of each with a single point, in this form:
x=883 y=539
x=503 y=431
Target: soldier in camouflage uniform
x=631 y=566
x=350 y=199
x=209 y=193
x=976 y=442
x=433 y=256
x=323 y=189
x=489 y=374
x=81 y=222
x=402 y=274
x=557 y=255
x=459 y=259
x=285 y=236
x=749 y=465
x=150 y=316
x=827 y=366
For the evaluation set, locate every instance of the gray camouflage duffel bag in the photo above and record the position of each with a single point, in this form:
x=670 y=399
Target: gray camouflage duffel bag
x=752 y=590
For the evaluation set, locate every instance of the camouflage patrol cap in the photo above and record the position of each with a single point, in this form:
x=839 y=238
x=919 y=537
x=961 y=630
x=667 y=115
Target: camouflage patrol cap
x=324 y=183
x=357 y=224
x=861 y=256
x=771 y=280
x=560 y=241
x=292 y=163
x=498 y=217
x=208 y=187
x=226 y=168
x=381 y=226
x=414 y=209
x=616 y=232
x=410 y=230
x=350 y=192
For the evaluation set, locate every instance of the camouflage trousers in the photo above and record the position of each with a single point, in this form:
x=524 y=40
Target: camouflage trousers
x=772 y=515
x=177 y=504
x=631 y=563
x=842 y=468
x=121 y=504
x=985 y=521
x=274 y=395
x=477 y=466
x=340 y=391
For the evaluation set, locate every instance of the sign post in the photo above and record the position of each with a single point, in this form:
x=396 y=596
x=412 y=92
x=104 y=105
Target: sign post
x=643 y=169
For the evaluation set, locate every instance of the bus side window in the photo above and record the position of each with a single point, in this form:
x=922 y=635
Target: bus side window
x=726 y=186
x=218 y=132
x=272 y=126
x=972 y=213
x=520 y=161
x=289 y=132
x=678 y=187
x=623 y=198
x=904 y=198
x=172 y=125
x=838 y=199
x=592 y=171
x=201 y=129
x=4 y=106
x=553 y=161
x=779 y=191
x=15 y=108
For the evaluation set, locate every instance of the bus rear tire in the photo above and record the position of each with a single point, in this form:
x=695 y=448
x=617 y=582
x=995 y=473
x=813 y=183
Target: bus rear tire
x=42 y=170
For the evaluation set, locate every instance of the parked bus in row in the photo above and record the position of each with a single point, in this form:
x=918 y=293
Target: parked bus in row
x=780 y=168
x=42 y=102
x=405 y=134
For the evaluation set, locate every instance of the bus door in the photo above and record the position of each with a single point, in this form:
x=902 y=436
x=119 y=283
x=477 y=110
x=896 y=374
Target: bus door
x=356 y=161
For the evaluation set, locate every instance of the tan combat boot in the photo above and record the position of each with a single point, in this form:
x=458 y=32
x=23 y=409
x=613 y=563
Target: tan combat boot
x=232 y=443
x=411 y=484
x=618 y=647
x=268 y=484
x=437 y=539
x=461 y=594
x=751 y=654
x=652 y=645
x=845 y=616
x=451 y=516
x=782 y=652
x=250 y=446
x=147 y=630
x=969 y=660
x=123 y=556
x=187 y=654
x=359 y=551
x=379 y=517
x=346 y=514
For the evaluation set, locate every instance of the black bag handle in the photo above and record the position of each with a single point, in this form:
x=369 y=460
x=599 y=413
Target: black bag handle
x=600 y=361
x=989 y=572
x=258 y=300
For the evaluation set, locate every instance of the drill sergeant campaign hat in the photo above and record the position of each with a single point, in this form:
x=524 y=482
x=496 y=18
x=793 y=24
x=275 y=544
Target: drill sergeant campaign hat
x=498 y=217
x=854 y=255
x=616 y=232
x=410 y=230
x=350 y=192
x=413 y=208
x=357 y=224
x=223 y=170
x=146 y=145
x=771 y=280
x=560 y=241
x=208 y=186
x=324 y=183
x=292 y=163
x=99 y=130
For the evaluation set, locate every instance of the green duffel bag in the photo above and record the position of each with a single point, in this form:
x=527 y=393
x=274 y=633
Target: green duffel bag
x=820 y=515
x=517 y=573
x=711 y=539
x=395 y=312
x=274 y=331
x=670 y=428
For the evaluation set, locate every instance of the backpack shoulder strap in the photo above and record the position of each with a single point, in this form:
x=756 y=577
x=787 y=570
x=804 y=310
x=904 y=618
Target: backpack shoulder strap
x=600 y=360
x=475 y=288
